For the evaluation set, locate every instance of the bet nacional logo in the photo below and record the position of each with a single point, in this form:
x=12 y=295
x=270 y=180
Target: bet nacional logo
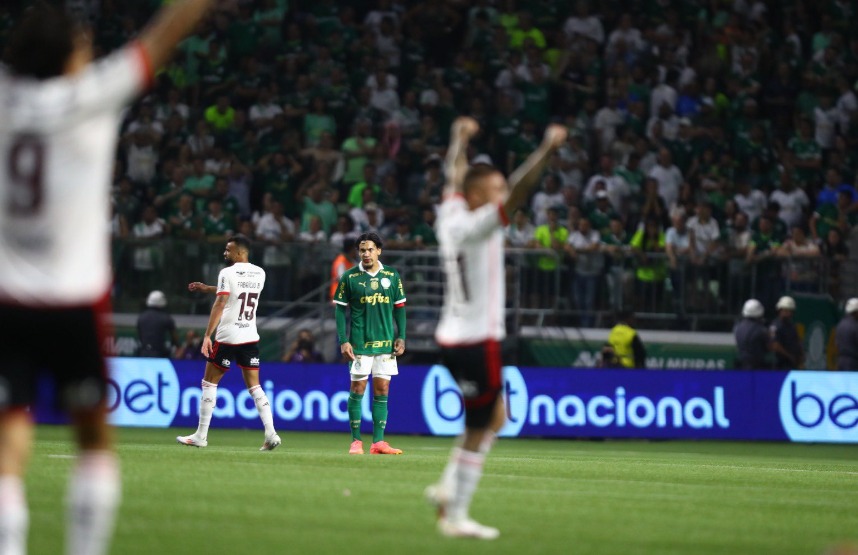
x=142 y=392
x=820 y=406
x=444 y=411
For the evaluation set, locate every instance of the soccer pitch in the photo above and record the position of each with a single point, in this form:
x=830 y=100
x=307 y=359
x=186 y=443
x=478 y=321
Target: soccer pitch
x=546 y=496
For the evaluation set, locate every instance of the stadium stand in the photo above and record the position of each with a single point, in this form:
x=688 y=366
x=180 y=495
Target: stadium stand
x=712 y=153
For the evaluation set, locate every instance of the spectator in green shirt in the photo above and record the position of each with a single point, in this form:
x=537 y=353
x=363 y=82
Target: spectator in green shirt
x=218 y=226
x=551 y=235
x=317 y=121
x=357 y=151
x=762 y=251
x=424 y=232
x=200 y=183
x=370 y=179
x=525 y=30
x=220 y=115
x=649 y=244
x=838 y=216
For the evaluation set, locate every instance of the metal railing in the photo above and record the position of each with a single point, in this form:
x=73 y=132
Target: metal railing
x=544 y=288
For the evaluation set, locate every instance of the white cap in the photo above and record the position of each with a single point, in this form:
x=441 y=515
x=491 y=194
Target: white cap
x=753 y=309
x=156 y=299
x=785 y=303
x=482 y=159
x=852 y=305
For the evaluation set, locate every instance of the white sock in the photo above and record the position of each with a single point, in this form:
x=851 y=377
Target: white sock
x=208 y=400
x=447 y=481
x=488 y=440
x=469 y=470
x=447 y=477
x=264 y=408
x=14 y=516
x=93 y=498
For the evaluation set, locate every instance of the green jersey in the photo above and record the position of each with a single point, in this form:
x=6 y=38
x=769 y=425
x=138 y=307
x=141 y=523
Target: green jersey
x=372 y=300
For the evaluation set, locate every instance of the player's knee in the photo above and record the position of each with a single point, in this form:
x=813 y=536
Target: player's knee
x=380 y=386
x=358 y=386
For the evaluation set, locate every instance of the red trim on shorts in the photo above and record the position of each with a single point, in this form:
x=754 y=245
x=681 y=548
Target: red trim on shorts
x=224 y=368
x=503 y=215
x=145 y=64
x=254 y=368
x=17 y=409
x=222 y=293
x=215 y=347
x=103 y=327
x=491 y=351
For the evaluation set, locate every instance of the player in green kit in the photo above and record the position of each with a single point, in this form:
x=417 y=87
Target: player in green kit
x=374 y=294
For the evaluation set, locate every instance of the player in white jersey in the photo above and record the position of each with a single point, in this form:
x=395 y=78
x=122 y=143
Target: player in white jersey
x=239 y=286
x=59 y=121
x=470 y=237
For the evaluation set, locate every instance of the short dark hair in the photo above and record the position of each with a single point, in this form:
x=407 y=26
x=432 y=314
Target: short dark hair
x=370 y=236
x=240 y=241
x=42 y=42
x=475 y=174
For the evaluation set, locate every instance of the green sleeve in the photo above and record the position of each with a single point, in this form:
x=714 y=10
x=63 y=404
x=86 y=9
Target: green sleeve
x=342 y=293
x=341 y=324
x=399 y=292
x=399 y=317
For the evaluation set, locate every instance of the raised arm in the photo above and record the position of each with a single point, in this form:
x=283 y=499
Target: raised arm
x=202 y=287
x=456 y=164
x=526 y=176
x=169 y=26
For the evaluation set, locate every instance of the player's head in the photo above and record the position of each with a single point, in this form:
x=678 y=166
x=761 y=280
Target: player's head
x=484 y=184
x=237 y=249
x=369 y=249
x=47 y=43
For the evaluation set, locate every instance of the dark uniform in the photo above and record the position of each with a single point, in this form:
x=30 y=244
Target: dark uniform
x=154 y=328
x=785 y=333
x=846 y=336
x=752 y=342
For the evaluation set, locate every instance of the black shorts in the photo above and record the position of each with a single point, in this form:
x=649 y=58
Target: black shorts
x=477 y=370
x=64 y=344
x=245 y=354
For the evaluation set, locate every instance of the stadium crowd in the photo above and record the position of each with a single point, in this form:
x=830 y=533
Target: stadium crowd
x=706 y=137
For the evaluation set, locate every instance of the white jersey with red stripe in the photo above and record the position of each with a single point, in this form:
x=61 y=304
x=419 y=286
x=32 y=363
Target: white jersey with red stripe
x=57 y=147
x=243 y=282
x=471 y=246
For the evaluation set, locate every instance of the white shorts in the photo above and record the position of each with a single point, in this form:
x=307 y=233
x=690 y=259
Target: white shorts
x=380 y=366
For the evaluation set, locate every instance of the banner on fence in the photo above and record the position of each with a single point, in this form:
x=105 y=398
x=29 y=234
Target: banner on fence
x=548 y=402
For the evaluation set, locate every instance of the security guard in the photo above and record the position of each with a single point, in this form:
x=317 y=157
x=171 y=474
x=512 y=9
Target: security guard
x=846 y=337
x=786 y=344
x=626 y=343
x=155 y=327
x=752 y=338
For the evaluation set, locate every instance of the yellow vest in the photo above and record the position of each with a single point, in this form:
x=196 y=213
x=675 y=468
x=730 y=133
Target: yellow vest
x=621 y=338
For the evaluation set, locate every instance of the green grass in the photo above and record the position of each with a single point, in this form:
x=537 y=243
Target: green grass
x=546 y=496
